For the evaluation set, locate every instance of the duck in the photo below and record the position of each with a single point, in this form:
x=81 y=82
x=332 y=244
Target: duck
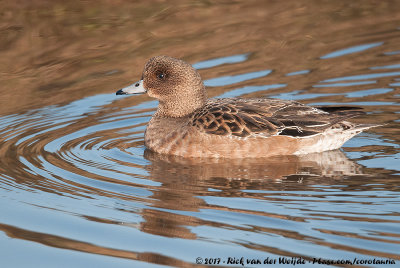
x=188 y=124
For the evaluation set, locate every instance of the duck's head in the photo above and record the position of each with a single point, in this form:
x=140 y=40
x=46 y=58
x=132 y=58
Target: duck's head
x=175 y=83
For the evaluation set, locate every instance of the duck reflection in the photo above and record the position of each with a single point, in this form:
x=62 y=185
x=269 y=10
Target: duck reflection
x=186 y=180
x=330 y=163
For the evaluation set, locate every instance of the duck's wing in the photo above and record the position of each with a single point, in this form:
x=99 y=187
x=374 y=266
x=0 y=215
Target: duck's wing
x=268 y=117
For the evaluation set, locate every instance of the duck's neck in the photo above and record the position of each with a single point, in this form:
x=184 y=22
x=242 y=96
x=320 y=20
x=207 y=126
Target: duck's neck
x=180 y=107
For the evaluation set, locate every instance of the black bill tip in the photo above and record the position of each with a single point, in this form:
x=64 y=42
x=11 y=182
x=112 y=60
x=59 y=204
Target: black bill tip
x=120 y=92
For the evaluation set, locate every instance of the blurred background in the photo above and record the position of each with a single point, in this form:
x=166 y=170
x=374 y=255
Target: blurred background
x=54 y=52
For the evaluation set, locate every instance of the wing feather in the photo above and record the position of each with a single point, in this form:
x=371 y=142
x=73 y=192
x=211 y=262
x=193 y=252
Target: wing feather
x=267 y=117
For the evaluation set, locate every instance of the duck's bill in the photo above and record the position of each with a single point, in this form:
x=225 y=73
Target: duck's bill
x=135 y=88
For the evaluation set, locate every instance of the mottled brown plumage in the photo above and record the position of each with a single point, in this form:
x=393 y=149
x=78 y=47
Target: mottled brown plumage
x=189 y=125
x=264 y=117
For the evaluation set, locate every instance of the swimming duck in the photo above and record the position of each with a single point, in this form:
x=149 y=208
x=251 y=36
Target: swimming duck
x=188 y=124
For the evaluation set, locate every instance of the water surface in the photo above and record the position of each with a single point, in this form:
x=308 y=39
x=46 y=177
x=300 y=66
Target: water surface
x=78 y=187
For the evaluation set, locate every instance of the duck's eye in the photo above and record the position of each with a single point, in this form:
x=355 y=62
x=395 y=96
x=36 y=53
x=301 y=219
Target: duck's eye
x=161 y=75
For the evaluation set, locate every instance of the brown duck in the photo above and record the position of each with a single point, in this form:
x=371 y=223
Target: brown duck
x=188 y=124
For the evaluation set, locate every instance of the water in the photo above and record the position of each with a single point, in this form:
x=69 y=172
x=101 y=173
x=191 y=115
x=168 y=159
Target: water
x=78 y=187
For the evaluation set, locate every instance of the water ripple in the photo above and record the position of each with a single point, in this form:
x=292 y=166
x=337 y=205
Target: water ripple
x=362 y=77
x=220 y=61
x=233 y=79
x=351 y=50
